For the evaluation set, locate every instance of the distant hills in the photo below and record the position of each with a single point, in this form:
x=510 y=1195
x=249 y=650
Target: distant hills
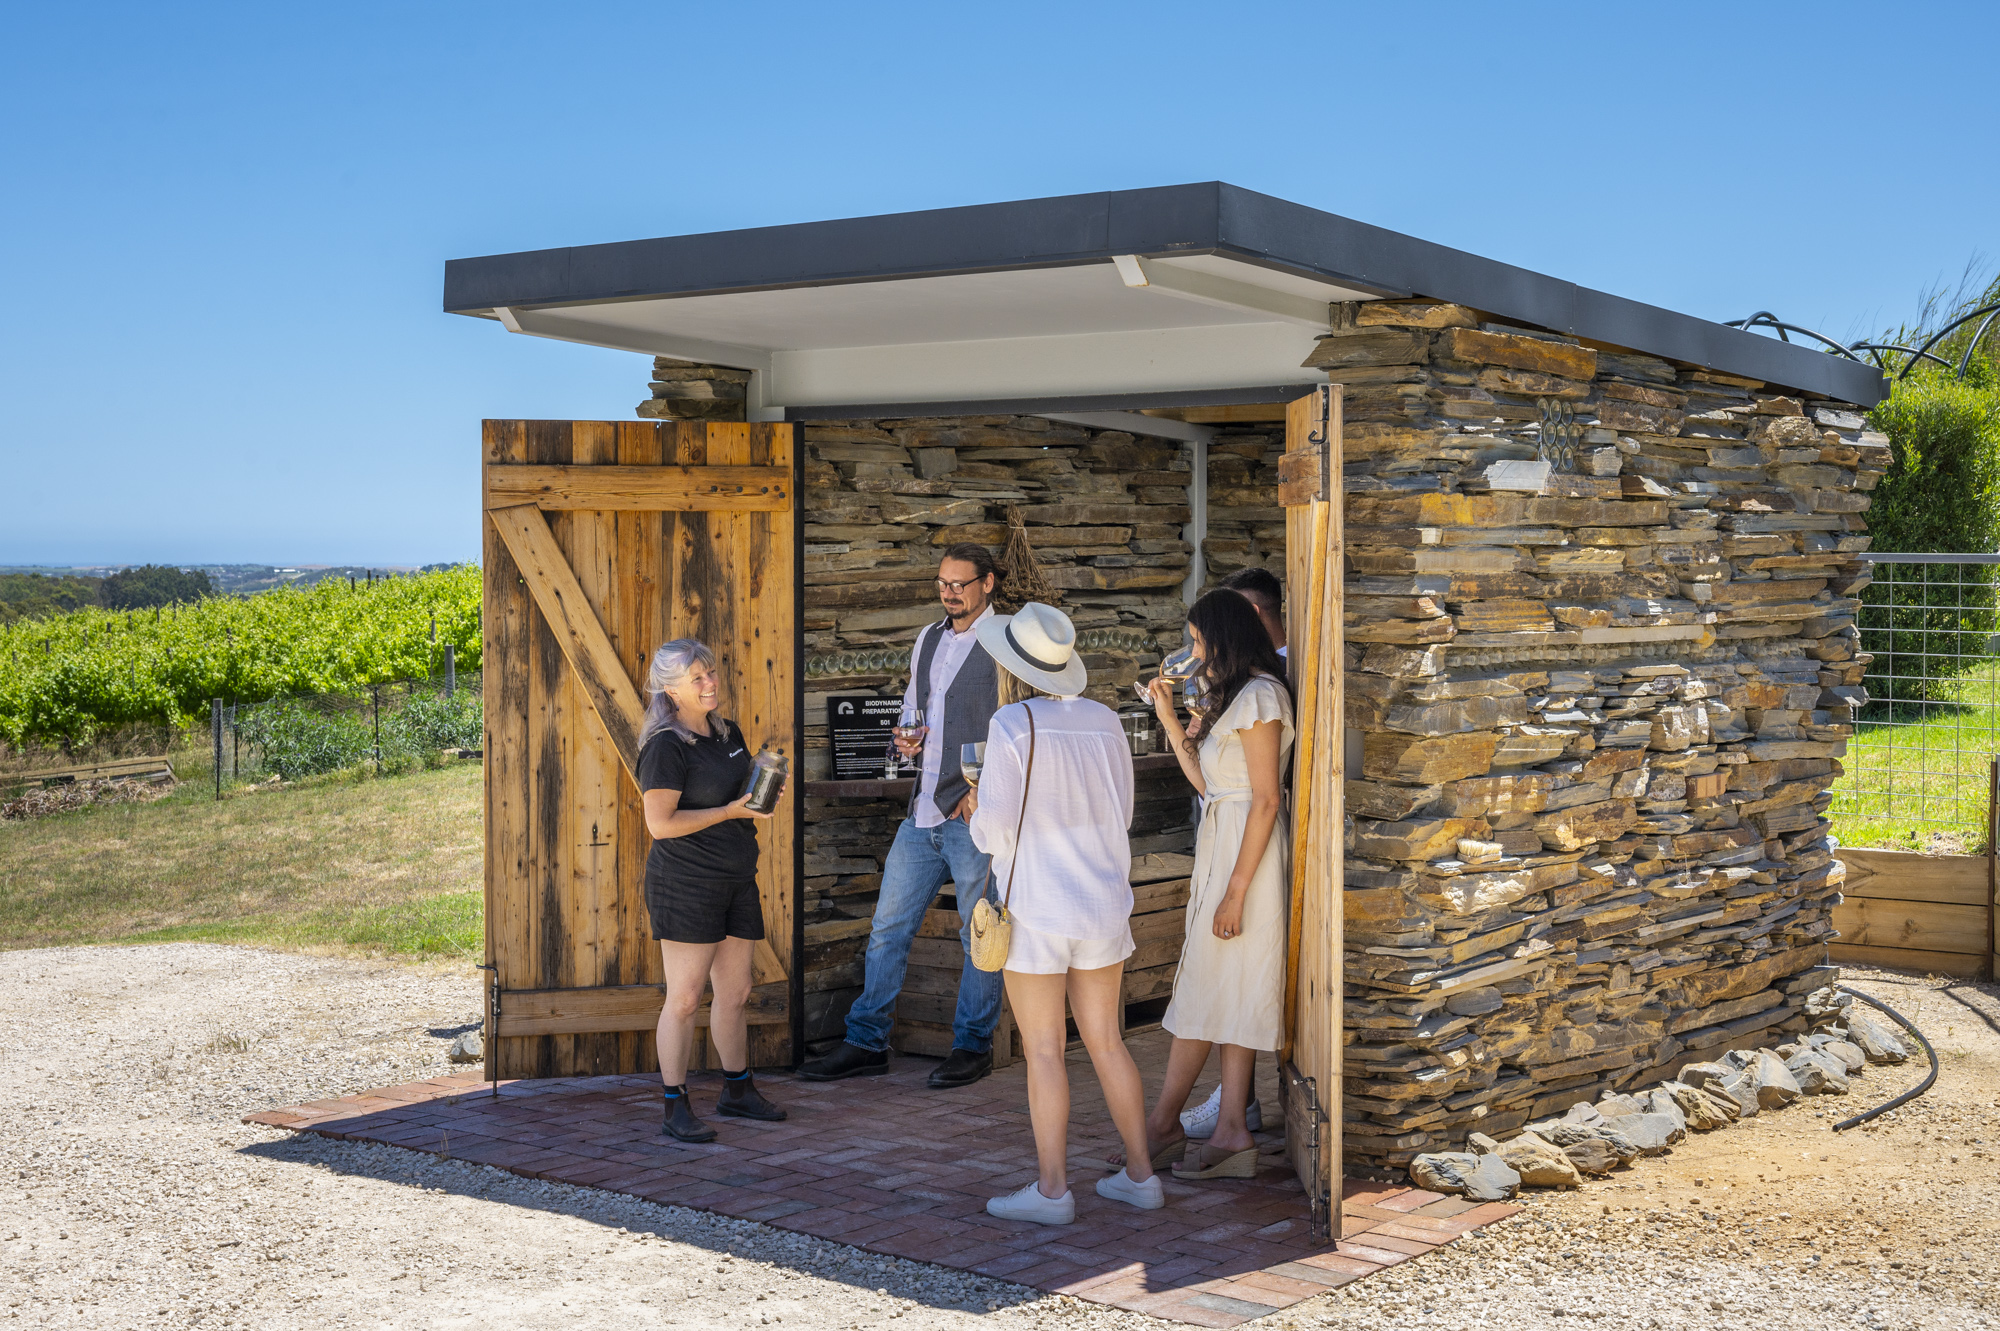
x=31 y=591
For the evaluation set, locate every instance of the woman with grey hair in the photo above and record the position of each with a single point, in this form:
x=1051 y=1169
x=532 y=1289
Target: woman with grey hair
x=701 y=879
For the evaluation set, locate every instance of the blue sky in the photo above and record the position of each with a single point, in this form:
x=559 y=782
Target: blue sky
x=224 y=226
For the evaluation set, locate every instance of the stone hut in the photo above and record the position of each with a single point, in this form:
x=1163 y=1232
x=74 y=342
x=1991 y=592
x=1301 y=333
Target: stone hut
x=1595 y=576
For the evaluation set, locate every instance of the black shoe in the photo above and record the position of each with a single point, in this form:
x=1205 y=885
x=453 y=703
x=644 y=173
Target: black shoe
x=961 y=1068
x=849 y=1060
x=740 y=1099
x=681 y=1122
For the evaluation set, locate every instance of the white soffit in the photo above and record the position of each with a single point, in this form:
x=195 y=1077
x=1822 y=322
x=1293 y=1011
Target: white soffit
x=1198 y=322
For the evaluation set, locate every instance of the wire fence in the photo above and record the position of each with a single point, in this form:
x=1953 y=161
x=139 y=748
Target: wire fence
x=395 y=726
x=390 y=727
x=1918 y=769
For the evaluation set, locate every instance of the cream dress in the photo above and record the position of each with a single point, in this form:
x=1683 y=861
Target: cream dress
x=1232 y=991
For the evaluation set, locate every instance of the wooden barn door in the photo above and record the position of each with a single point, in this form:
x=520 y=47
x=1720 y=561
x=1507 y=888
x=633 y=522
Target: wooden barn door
x=1309 y=489
x=603 y=540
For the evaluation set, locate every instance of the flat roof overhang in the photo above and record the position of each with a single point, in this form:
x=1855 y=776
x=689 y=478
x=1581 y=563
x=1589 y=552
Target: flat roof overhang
x=1199 y=291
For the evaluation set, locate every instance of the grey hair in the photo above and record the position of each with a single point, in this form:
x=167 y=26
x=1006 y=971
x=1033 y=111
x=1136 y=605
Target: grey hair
x=674 y=662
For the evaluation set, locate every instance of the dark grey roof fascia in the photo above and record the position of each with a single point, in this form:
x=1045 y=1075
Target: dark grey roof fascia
x=1208 y=218
x=989 y=237
x=1043 y=406
x=1358 y=254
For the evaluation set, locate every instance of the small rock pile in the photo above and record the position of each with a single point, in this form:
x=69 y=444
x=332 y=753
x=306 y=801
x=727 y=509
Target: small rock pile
x=1594 y=1139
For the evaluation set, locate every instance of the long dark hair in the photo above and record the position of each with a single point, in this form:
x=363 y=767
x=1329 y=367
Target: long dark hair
x=1235 y=649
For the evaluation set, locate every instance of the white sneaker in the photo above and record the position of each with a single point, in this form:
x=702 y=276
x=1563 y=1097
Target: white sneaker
x=1199 y=1122
x=1148 y=1196
x=1030 y=1204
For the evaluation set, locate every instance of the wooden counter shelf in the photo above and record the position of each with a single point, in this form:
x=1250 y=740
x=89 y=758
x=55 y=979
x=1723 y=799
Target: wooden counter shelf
x=877 y=788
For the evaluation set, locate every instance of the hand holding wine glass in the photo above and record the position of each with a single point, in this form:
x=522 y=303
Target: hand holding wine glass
x=909 y=732
x=1176 y=666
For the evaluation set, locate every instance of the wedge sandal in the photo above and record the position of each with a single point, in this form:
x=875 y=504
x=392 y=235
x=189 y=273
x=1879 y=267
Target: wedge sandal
x=1242 y=1164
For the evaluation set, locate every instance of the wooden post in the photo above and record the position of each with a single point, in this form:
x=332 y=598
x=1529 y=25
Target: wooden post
x=215 y=734
x=1309 y=488
x=450 y=670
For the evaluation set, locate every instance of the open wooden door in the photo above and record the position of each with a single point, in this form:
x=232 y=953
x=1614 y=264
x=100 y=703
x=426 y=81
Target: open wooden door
x=1309 y=489
x=603 y=540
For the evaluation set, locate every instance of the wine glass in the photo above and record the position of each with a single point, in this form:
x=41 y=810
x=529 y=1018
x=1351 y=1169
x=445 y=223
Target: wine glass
x=1200 y=700
x=971 y=761
x=909 y=728
x=1177 y=665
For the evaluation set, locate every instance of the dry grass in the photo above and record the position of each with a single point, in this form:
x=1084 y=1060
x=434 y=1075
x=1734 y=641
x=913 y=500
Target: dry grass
x=344 y=865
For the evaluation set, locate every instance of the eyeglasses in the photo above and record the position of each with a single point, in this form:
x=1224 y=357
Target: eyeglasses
x=954 y=588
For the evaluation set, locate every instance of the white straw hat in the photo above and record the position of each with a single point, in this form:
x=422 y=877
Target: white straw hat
x=1039 y=646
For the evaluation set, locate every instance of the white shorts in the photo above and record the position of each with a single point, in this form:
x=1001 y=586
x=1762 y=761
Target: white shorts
x=1031 y=952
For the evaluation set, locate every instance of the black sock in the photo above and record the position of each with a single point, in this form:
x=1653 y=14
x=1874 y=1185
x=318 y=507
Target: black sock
x=727 y=1075
x=674 y=1092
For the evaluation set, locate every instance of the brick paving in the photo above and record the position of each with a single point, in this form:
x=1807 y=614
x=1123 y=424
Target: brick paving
x=889 y=1165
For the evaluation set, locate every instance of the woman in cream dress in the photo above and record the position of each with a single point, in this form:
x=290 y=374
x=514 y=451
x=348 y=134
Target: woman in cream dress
x=1229 y=990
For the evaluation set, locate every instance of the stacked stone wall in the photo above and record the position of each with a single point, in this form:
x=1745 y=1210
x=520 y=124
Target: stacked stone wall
x=1592 y=714
x=688 y=391
x=1246 y=527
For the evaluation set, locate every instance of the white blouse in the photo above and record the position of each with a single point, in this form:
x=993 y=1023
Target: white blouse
x=1073 y=869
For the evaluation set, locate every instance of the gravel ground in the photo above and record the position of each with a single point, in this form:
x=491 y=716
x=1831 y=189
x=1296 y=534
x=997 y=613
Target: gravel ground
x=138 y=1199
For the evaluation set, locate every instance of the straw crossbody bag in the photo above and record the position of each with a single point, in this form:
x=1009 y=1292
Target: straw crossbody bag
x=992 y=926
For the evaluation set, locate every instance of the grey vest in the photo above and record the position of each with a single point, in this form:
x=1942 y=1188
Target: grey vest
x=969 y=705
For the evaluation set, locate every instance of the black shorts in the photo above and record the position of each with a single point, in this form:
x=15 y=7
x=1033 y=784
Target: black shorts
x=704 y=912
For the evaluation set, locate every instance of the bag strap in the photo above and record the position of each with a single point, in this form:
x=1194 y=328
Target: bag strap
x=1020 y=818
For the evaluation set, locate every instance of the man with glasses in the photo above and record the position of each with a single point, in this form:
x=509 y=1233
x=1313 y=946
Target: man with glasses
x=954 y=684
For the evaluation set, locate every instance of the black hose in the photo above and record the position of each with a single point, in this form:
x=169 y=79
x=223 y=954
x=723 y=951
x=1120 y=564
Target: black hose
x=1913 y=1092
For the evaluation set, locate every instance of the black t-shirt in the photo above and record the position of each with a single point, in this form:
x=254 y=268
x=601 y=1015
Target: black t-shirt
x=708 y=773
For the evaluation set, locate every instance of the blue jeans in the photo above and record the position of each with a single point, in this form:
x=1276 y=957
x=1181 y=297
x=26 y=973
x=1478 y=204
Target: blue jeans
x=920 y=862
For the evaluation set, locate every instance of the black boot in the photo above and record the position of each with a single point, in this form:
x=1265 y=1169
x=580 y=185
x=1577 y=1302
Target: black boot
x=849 y=1060
x=681 y=1122
x=740 y=1099
x=961 y=1068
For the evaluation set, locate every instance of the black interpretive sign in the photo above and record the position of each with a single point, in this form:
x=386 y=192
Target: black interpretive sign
x=859 y=730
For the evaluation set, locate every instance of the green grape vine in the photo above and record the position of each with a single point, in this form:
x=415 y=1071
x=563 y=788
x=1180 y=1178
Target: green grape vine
x=67 y=678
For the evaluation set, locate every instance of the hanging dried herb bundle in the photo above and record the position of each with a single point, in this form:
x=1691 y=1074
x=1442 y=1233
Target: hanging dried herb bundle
x=1025 y=580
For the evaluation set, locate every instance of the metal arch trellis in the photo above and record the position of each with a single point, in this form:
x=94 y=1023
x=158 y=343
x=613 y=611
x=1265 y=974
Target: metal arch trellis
x=1852 y=350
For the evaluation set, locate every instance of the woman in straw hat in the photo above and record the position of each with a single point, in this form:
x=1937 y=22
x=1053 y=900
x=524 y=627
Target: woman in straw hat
x=1053 y=809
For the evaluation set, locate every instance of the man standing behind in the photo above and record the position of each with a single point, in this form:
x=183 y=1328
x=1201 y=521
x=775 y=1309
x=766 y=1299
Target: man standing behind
x=1261 y=588
x=953 y=681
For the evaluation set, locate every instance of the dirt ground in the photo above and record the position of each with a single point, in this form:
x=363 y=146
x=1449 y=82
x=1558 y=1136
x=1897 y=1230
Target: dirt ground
x=1777 y=1221
x=134 y=1197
